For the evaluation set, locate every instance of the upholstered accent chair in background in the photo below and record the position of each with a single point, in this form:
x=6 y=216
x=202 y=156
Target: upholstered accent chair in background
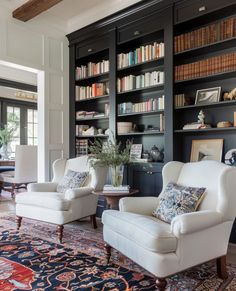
x=25 y=170
x=191 y=239
x=42 y=201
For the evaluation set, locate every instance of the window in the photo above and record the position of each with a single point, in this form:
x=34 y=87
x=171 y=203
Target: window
x=14 y=114
x=32 y=127
x=25 y=113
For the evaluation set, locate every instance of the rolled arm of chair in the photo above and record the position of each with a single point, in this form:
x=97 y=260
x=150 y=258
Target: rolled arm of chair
x=42 y=187
x=195 y=221
x=139 y=205
x=79 y=192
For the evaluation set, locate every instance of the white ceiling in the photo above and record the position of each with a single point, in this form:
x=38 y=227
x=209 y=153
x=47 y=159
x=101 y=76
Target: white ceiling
x=75 y=13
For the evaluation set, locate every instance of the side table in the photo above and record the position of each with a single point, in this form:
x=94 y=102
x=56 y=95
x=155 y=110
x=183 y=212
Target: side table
x=112 y=199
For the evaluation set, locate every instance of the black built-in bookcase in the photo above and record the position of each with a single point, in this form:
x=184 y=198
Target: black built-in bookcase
x=142 y=24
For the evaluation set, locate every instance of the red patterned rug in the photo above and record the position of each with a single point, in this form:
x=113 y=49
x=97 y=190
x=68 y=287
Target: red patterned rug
x=80 y=239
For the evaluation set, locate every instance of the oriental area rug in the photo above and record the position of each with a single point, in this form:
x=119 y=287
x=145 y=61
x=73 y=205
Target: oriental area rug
x=32 y=260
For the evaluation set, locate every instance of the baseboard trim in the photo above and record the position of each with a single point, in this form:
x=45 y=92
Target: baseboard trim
x=232 y=248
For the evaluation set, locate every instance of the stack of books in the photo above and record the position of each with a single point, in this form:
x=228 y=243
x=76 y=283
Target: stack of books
x=151 y=104
x=206 y=67
x=206 y=35
x=180 y=100
x=81 y=147
x=95 y=90
x=132 y=82
x=112 y=189
x=142 y=54
x=92 y=69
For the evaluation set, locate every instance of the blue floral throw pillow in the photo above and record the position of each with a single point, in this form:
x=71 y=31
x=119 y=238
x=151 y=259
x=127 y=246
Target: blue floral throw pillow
x=71 y=180
x=177 y=200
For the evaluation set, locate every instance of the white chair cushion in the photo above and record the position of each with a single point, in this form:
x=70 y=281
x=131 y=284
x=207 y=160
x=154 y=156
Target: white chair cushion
x=50 y=200
x=147 y=231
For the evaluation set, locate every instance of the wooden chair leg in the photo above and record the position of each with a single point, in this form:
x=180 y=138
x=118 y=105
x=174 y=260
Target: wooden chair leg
x=18 y=222
x=107 y=252
x=161 y=284
x=60 y=232
x=221 y=268
x=93 y=221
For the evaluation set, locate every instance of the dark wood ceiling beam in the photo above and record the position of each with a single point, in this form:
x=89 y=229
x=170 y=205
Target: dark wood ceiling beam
x=33 y=8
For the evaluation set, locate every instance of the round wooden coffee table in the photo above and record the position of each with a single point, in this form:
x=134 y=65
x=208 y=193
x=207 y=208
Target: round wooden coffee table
x=112 y=199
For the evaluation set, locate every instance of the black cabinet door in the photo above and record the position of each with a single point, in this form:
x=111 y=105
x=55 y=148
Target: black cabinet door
x=186 y=10
x=92 y=47
x=146 y=178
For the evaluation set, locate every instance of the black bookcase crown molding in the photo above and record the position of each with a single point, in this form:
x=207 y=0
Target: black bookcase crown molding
x=132 y=13
x=160 y=53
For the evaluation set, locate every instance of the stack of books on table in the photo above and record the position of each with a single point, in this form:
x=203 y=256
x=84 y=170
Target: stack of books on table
x=119 y=189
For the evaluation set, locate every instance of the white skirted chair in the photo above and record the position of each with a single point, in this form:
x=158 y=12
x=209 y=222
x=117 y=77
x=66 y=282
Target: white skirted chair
x=25 y=170
x=42 y=201
x=191 y=238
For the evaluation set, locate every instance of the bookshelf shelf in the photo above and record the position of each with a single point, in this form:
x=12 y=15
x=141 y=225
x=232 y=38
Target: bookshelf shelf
x=142 y=113
x=157 y=63
x=92 y=136
x=145 y=89
x=93 y=98
x=208 y=130
x=215 y=104
x=104 y=76
x=154 y=132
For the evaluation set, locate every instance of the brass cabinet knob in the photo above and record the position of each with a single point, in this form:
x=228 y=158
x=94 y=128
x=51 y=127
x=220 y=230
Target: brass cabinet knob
x=137 y=32
x=202 y=8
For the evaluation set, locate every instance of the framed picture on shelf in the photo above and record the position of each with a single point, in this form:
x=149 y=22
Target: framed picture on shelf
x=136 y=151
x=206 y=149
x=206 y=96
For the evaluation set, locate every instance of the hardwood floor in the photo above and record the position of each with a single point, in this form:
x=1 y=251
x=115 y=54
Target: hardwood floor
x=7 y=206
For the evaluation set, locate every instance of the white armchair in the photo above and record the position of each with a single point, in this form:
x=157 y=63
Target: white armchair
x=191 y=239
x=42 y=201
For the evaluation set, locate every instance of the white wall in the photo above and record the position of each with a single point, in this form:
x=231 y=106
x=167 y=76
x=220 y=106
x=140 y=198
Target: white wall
x=36 y=44
x=97 y=10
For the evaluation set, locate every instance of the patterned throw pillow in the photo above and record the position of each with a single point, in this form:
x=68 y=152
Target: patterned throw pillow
x=177 y=200
x=71 y=180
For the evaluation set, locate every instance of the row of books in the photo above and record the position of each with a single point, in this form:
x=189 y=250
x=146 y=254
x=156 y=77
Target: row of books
x=141 y=54
x=91 y=69
x=81 y=147
x=132 y=82
x=151 y=104
x=95 y=90
x=206 y=35
x=206 y=67
x=179 y=100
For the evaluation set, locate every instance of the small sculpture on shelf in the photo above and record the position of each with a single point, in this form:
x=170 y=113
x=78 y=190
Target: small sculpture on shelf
x=200 y=124
x=230 y=95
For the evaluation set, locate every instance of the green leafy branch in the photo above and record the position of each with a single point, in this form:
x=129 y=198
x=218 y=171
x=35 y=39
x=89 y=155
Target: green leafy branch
x=109 y=153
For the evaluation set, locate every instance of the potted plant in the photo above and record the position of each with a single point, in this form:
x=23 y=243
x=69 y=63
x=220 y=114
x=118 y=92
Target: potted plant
x=6 y=134
x=112 y=155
